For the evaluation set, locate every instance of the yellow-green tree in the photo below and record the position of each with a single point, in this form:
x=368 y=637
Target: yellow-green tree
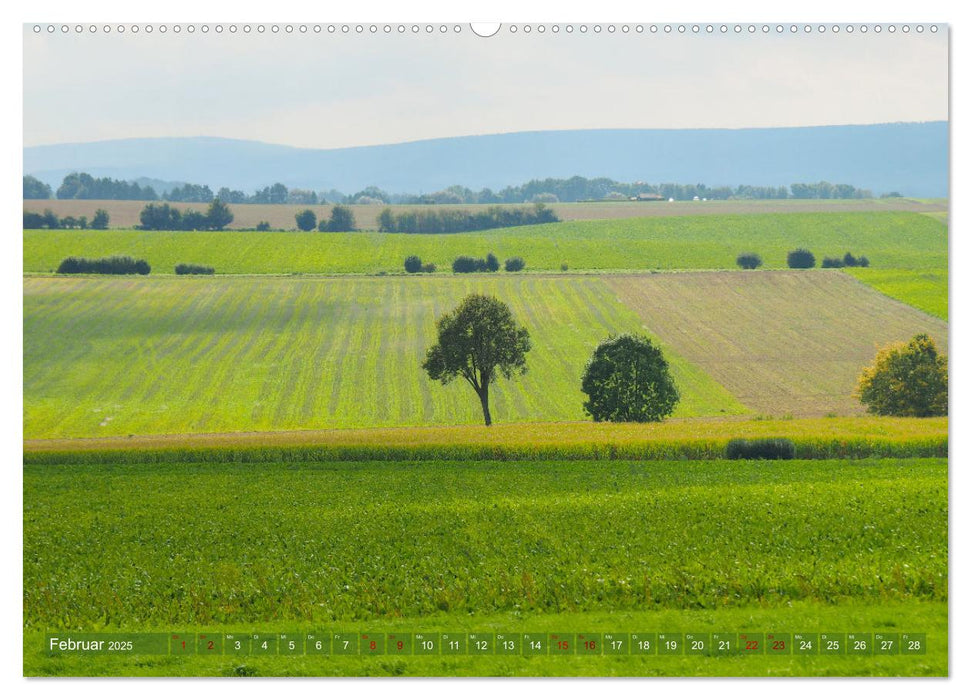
x=906 y=380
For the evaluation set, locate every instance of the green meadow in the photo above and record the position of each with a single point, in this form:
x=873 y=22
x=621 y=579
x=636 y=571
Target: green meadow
x=888 y=239
x=922 y=289
x=816 y=546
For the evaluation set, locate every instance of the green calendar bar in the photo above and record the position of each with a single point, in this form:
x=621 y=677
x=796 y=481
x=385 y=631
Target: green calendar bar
x=526 y=644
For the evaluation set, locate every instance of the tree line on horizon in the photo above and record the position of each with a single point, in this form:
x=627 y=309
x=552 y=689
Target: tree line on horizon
x=548 y=190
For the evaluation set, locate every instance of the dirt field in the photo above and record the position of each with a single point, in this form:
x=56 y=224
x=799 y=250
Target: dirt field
x=783 y=342
x=280 y=216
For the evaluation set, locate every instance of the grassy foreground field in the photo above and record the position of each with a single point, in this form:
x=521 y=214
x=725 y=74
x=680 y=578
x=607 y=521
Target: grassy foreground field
x=124 y=214
x=483 y=546
x=174 y=355
x=922 y=289
x=781 y=341
x=888 y=239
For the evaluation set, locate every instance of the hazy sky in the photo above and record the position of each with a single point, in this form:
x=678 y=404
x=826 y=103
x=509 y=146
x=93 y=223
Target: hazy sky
x=331 y=90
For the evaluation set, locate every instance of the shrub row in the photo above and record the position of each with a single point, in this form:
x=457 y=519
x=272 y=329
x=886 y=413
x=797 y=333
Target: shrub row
x=458 y=220
x=190 y=269
x=414 y=264
x=760 y=448
x=847 y=260
x=115 y=265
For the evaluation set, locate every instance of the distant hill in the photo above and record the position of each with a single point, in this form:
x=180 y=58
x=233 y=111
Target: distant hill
x=911 y=158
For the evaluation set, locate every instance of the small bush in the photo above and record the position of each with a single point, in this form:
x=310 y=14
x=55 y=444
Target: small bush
x=190 y=269
x=514 y=264
x=428 y=267
x=749 y=261
x=849 y=260
x=263 y=226
x=412 y=264
x=564 y=267
x=306 y=220
x=800 y=259
x=464 y=263
x=832 y=262
x=760 y=448
x=863 y=261
x=492 y=263
x=115 y=265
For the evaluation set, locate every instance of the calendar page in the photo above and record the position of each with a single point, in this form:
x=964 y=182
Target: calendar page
x=515 y=349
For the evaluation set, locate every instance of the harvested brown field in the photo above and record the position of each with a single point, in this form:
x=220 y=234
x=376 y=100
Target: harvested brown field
x=782 y=342
x=280 y=216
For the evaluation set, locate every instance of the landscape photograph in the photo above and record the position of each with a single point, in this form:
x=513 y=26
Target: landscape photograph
x=425 y=350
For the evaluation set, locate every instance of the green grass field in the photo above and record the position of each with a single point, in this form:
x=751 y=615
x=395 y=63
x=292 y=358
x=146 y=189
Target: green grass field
x=427 y=546
x=781 y=341
x=922 y=289
x=173 y=355
x=888 y=239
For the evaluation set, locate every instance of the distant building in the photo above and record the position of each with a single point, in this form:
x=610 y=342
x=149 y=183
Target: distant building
x=648 y=197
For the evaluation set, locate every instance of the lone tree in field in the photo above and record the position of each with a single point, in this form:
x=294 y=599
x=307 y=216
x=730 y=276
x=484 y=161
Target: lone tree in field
x=478 y=341
x=906 y=380
x=341 y=219
x=100 y=220
x=306 y=220
x=749 y=261
x=627 y=380
x=218 y=216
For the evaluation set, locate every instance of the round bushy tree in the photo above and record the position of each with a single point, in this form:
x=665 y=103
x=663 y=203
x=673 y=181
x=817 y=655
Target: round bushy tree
x=515 y=264
x=627 y=379
x=306 y=220
x=749 y=261
x=412 y=264
x=478 y=341
x=801 y=259
x=492 y=263
x=906 y=380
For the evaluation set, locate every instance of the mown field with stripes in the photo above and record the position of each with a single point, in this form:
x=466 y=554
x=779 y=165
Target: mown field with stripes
x=783 y=342
x=172 y=355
